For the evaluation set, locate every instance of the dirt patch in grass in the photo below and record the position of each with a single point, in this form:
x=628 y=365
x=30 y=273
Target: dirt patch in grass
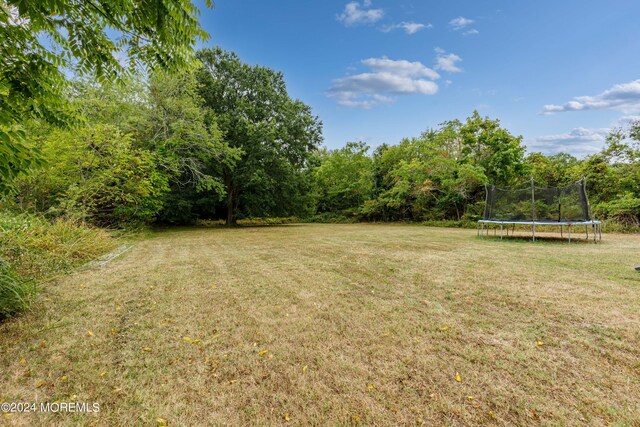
x=339 y=325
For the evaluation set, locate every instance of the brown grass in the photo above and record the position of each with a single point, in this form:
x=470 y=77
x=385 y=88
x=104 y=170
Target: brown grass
x=337 y=325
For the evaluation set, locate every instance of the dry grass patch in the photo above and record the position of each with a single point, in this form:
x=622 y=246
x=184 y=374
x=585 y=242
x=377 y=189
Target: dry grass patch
x=338 y=325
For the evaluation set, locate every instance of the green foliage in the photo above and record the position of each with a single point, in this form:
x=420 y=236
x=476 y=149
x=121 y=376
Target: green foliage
x=15 y=293
x=95 y=174
x=553 y=171
x=344 y=178
x=105 y=39
x=624 y=210
x=32 y=248
x=39 y=248
x=441 y=174
x=494 y=149
x=185 y=136
x=275 y=134
x=16 y=157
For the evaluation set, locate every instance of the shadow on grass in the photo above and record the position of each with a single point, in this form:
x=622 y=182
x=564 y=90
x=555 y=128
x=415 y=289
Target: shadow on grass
x=539 y=239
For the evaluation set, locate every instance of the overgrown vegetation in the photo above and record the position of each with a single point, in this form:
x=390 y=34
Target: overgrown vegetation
x=32 y=249
x=440 y=176
x=15 y=292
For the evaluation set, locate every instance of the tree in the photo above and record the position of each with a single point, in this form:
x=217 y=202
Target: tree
x=40 y=39
x=95 y=174
x=275 y=133
x=486 y=144
x=184 y=135
x=552 y=171
x=344 y=178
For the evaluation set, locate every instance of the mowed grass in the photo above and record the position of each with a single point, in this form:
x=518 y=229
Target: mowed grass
x=336 y=325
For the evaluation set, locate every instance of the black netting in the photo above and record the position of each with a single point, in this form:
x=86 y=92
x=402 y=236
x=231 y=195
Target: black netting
x=508 y=205
x=550 y=204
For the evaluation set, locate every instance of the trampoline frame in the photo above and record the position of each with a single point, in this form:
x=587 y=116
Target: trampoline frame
x=484 y=227
x=485 y=224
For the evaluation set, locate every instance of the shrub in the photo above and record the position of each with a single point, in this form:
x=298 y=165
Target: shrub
x=625 y=210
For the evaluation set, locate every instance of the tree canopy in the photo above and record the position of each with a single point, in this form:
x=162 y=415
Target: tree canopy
x=276 y=135
x=42 y=41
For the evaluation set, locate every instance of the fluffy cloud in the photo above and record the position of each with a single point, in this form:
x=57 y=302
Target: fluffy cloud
x=578 y=142
x=447 y=61
x=355 y=13
x=623 y=97
x=387 y=78
x=471 y=32
x=460 y=22
x=408 y=27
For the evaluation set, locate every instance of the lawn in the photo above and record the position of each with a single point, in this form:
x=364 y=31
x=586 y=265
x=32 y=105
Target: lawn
x=336 y=325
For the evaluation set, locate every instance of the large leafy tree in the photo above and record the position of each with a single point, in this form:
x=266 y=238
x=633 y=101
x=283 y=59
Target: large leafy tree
x=486 y=144
x=106 y=39
x=275 y=133
x=185 y=136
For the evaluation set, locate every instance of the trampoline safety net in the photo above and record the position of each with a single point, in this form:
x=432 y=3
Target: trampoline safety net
x=554 y=204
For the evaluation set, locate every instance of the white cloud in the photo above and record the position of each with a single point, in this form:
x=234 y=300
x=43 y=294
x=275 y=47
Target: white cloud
x=623 y=97
x=387 y=78
x=447 y=62
x=471 y=32
x=579 y=142
x=409 y=27
x=401 y=67
x=355 y=13
x=460 y=22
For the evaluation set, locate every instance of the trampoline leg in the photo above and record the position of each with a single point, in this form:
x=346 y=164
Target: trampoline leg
x=586 y=229
x=533 y=231
x=600 y=227
x=561 y=231
x=594 y=233
x=500 y=231
x=569 y=228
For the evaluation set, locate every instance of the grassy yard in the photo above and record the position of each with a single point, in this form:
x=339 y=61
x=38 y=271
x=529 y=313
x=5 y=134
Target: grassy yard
x=336 y=325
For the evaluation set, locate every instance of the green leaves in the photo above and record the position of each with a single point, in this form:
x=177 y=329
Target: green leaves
x=95 y=174
x=106 y=39
x=274 y=133
x=344 y=178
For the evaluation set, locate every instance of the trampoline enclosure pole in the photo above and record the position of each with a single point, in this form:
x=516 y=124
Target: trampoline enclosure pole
x=533 y=210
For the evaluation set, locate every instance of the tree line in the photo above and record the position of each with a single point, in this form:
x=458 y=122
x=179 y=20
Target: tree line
x=224 y=140
x=441 y=174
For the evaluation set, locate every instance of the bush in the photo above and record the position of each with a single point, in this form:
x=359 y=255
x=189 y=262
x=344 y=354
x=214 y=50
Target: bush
x=331 y=218
x=625 y=210
x=95 y=174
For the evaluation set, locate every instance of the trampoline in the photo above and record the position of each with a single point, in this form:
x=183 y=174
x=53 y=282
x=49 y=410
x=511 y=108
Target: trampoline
x=539 y=206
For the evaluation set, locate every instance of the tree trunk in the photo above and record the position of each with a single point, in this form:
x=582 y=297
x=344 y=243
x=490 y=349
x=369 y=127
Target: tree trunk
x=232 y=203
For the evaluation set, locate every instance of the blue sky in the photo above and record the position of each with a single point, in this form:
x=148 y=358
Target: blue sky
x=560 y=73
